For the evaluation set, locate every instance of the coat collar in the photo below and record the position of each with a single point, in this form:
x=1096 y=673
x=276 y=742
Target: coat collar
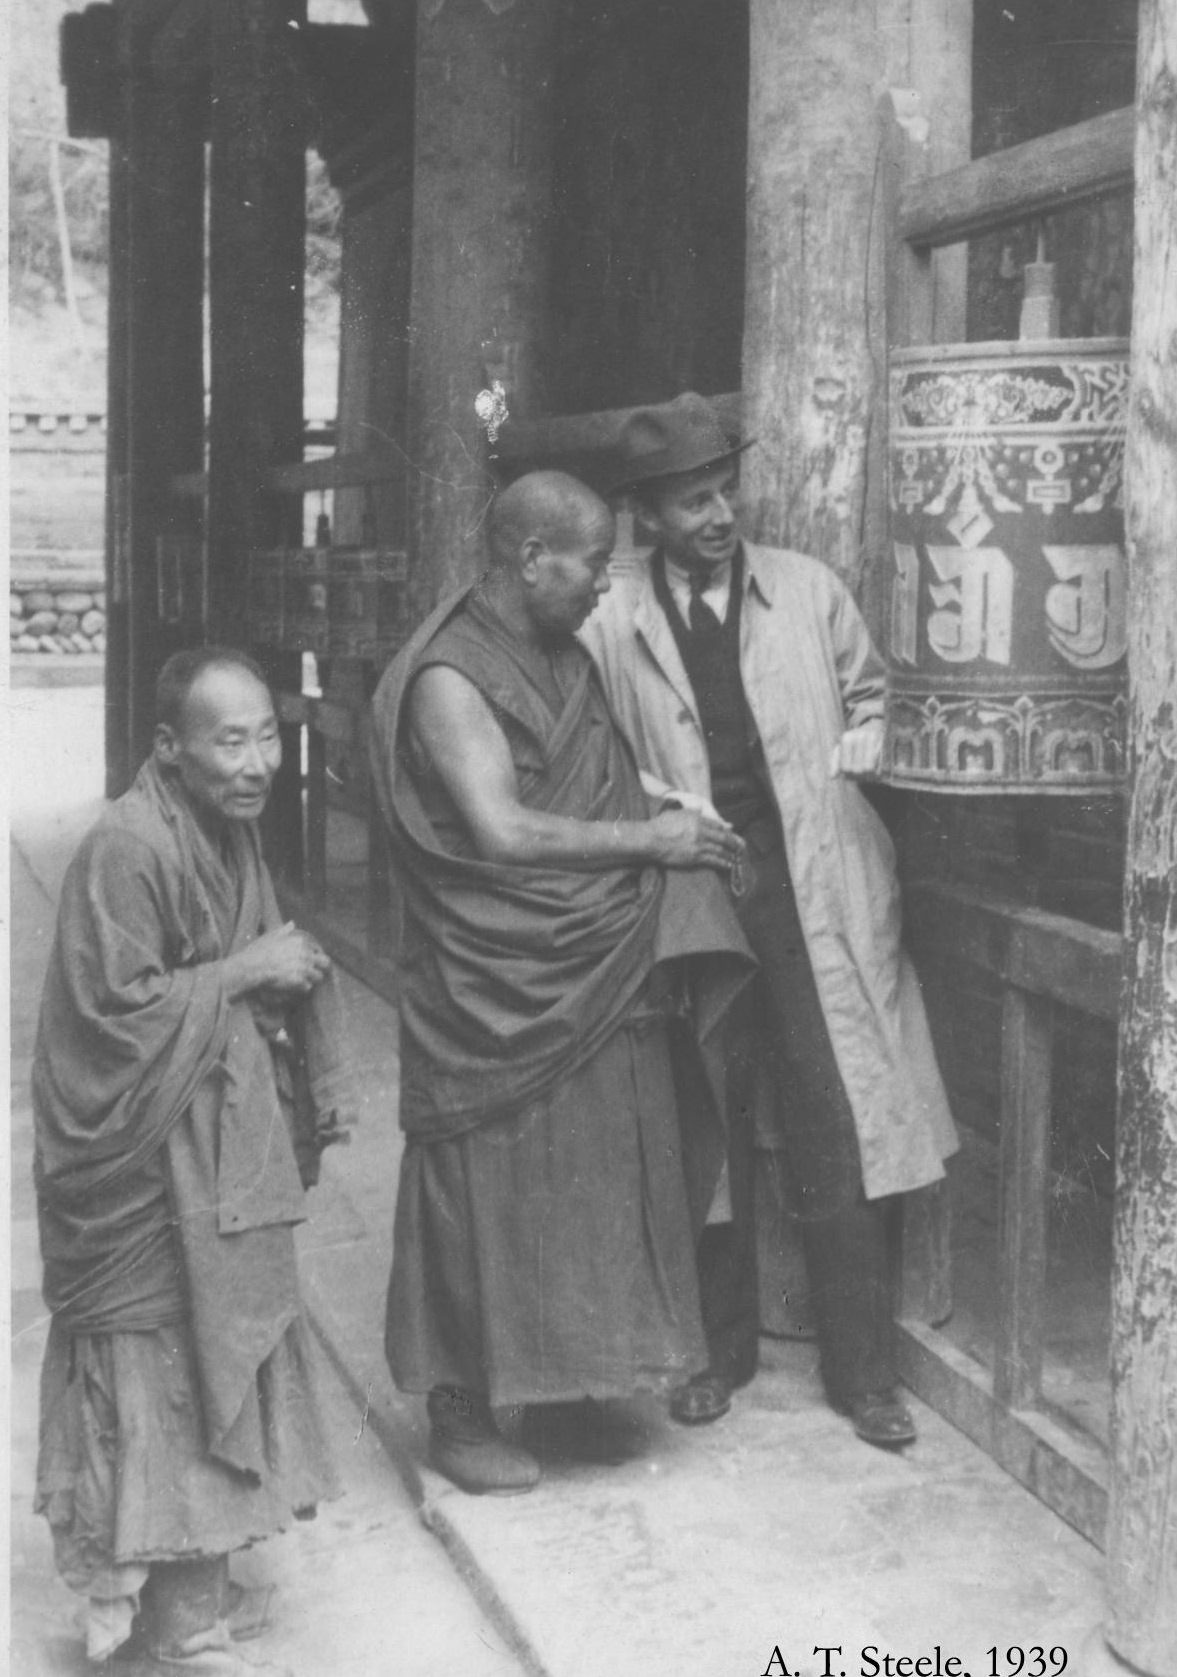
x=649 y=618
x=758 y=573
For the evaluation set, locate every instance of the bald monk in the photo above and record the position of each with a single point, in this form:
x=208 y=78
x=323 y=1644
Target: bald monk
x=543 y=1248
x=188 y=1051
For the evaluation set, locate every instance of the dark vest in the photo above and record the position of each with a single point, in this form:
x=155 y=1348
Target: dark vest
x=740 y=789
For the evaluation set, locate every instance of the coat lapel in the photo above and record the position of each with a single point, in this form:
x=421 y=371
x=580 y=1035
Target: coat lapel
x=650 y=626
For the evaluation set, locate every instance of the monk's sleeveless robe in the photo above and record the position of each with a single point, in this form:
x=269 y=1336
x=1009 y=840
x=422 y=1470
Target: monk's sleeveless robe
x=544 y=1248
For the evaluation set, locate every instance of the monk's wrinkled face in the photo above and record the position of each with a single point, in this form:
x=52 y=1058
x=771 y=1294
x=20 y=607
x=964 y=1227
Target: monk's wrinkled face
x=693 y=517
x=226 y=750
x=569 y=573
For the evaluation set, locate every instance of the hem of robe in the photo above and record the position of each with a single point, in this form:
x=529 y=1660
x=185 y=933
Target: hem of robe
x=547 y=1255
x=123 y=1473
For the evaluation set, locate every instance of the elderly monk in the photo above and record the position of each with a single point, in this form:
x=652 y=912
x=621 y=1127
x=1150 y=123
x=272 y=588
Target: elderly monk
x=543 y=1249
x=747 y=681
x=186 y=1035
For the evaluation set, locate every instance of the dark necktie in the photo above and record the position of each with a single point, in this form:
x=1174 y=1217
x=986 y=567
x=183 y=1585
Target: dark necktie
x=701 y=617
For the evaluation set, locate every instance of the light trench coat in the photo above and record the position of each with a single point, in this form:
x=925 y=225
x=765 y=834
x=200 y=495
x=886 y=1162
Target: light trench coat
x=810 y=672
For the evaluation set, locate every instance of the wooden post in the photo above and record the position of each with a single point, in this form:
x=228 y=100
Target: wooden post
x=900 y=311
x=374 y=358
x=155 y=425
x=810 y=373
x=482 y=185
x=165 y=338
x=257 y=258
x=942 y=76
x=1142 y=1523
x=1027 y=1030
x=120 y=768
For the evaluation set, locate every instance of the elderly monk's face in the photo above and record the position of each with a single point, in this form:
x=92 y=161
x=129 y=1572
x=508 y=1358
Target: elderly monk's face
x=694 y=516
x=227 y=750
x=571 y=573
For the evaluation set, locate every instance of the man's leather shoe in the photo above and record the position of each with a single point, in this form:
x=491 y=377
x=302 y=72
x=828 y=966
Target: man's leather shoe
x=706 y=1397
x=882 y=1418
x=490 y=1467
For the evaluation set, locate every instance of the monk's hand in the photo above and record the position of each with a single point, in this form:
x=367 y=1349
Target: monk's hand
x=691 y=838
x=859 y=751
x=287 y=960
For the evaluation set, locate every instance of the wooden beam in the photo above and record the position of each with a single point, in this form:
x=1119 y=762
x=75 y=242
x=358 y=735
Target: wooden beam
x=1033 y=179
x=1049 y=955
x=1142 y=1535
x=342 y=471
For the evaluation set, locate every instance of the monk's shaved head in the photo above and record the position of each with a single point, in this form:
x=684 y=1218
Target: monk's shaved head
x=552 y=507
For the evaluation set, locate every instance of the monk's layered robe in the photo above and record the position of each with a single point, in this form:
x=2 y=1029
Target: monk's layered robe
x=178 y=1410
x=544 y=1235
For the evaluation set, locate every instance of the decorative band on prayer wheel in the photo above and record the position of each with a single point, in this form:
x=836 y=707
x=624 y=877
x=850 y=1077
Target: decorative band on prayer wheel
x=1006 y=668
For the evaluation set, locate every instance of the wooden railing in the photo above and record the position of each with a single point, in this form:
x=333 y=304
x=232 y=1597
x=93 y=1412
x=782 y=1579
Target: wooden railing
x=1041 y=961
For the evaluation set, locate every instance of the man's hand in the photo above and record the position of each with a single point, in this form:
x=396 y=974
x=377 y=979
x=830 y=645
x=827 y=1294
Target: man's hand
x=859 y=751
x=287 y=960
x=687 y=838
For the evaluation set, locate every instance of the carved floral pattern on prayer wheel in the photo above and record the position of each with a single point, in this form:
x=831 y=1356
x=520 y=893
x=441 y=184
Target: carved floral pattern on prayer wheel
x=1007 y=637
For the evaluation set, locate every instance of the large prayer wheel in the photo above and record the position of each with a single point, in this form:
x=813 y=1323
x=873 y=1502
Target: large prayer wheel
x=1006 y=655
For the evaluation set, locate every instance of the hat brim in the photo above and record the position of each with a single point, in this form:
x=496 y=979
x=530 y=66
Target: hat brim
x=631 y=480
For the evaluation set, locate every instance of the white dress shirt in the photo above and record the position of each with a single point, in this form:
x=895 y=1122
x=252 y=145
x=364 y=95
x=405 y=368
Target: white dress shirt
x=716 y=594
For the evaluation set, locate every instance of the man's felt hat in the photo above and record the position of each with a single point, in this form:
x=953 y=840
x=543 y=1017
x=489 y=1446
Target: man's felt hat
x=680 y=436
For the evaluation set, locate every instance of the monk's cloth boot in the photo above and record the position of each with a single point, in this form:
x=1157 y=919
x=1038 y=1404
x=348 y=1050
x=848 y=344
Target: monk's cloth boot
x=467 y=1446
x=184 y=1626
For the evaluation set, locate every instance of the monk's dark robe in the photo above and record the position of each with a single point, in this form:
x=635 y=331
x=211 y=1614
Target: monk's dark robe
x=178 y=1408
x=544 y=1244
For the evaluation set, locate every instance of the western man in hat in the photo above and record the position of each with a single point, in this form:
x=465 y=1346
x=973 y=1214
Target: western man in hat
x=747 y=682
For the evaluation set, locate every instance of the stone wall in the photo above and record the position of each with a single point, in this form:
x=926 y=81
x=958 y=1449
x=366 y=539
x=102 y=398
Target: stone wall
x=57 y=585
x=57 y=617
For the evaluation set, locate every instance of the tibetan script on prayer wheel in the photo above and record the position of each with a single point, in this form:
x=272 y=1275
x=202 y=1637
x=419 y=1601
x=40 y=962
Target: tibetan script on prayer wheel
x=1006 y=667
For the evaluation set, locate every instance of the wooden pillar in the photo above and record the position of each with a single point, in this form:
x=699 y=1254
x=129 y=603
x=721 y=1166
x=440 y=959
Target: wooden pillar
x=809 y=379
x=814 y=345
x=257 y=258
x=165 y=337
x=1142 y=1522
x=155 y=409
x=375 y=270
x=941 y=74
x=117 y=732
x=482 y=186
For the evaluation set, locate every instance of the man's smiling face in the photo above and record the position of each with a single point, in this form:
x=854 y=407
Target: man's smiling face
x=693 y=516
x=226 y=750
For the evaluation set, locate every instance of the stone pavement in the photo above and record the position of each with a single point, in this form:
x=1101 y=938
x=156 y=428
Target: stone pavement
x=726 y=1551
